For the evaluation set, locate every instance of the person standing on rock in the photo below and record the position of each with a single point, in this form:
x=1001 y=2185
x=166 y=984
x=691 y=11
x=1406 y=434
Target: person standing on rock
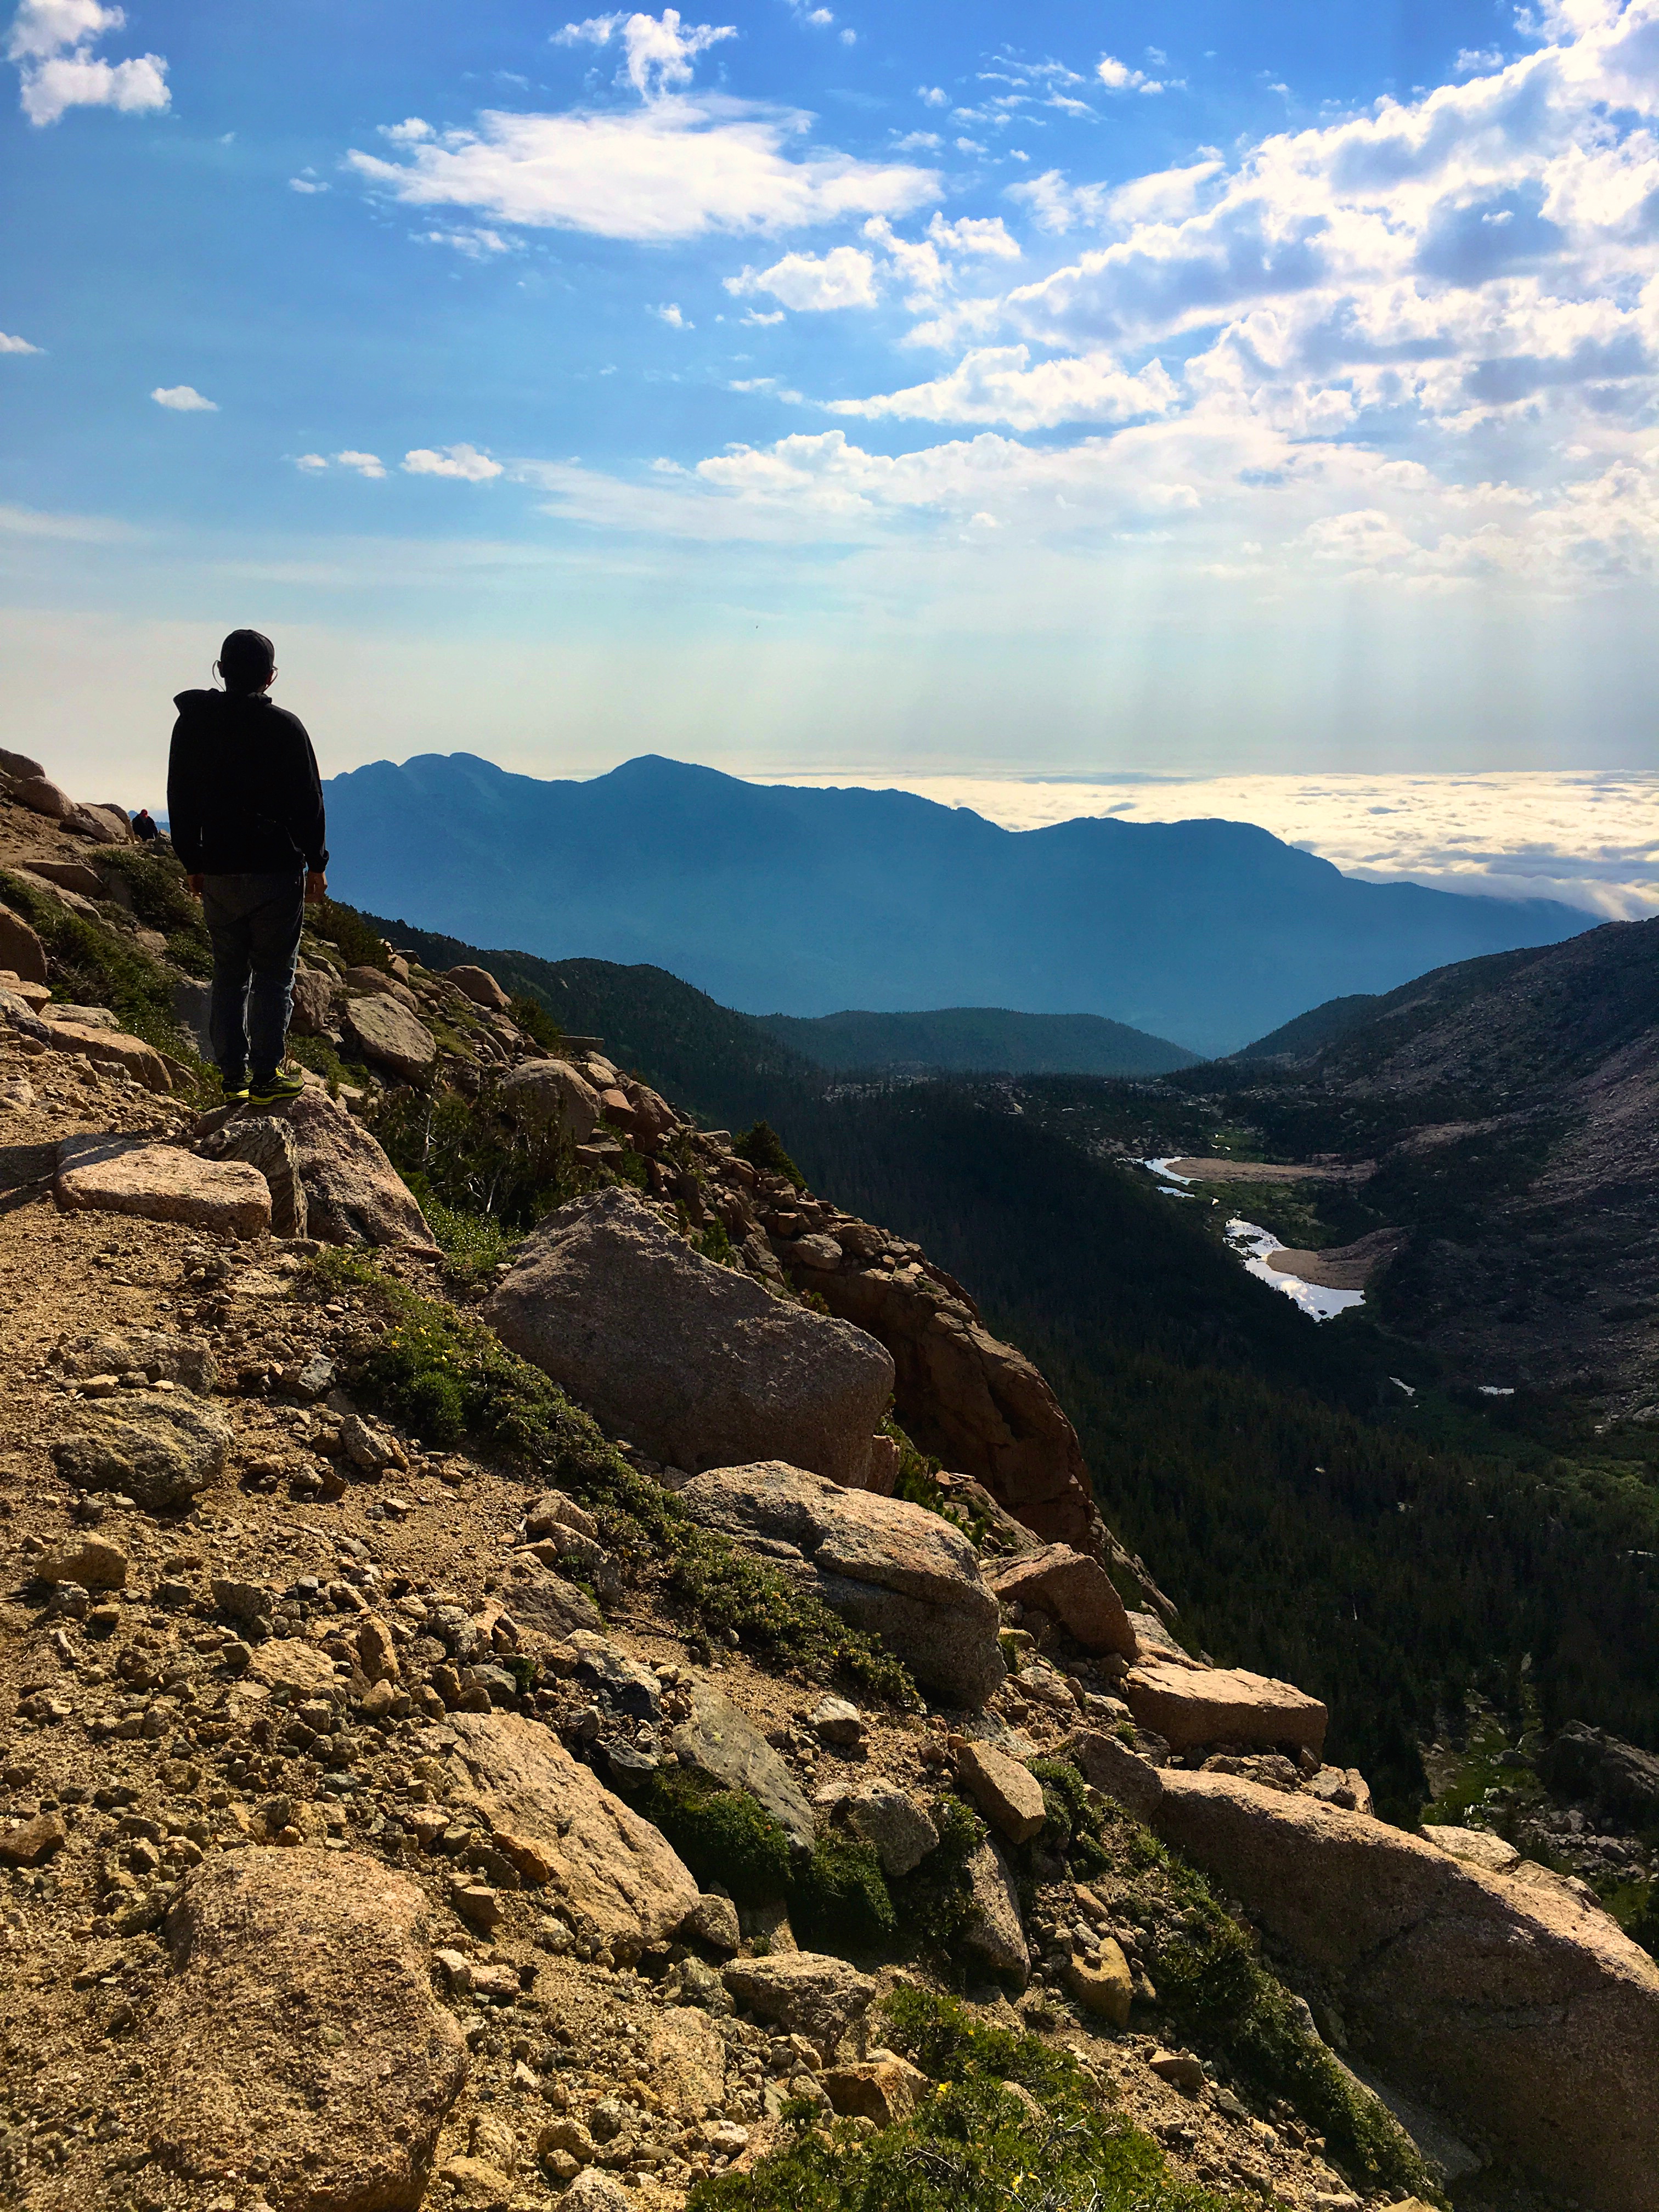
x=244 y=803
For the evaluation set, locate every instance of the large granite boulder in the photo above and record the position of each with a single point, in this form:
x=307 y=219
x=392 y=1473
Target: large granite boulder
x=615 y=1875
x=1071 y=1588
x=883 y=1565
x=1506 y=1997
x=391 y=1036
x=316 y=996
x=695 y=1362
x=21 y=950
x=301 y=2031
x=549 y=1094
x=480 y=986
x=353 y=1195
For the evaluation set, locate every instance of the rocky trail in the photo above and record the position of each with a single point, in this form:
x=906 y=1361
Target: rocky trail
x=550 y=1737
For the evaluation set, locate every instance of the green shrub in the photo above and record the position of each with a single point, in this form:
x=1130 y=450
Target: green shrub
x=723 y=1587
x=1072 y=1824
x=470 y=1155
x=95 y=964
x=715 y=1244
x=537 y=1025
x=473 y=1244
x=838 y=1899
x=971 y=2147
x=762 y=1148
x=322 y=1059
x=722 y=1835
x=933 y=1902
x=344 y=928
x=161 y=897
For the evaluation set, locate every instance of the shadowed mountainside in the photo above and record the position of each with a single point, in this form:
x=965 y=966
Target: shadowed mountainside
x=805 y=901
x=983 y=1040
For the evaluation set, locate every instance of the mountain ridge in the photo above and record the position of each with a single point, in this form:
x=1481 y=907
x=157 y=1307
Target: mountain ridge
x=805 y=901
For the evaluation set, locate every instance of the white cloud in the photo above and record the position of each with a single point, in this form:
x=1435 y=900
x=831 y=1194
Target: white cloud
x=312 y=463
x=9 y=345
x=672 y=315
x=982 y=237
x=411 y=132
x=184 y=399
x=306 y=184
x=1118 y=76
x=1000 y=384
x=465 y=462
x=932 y=96
x=847 y=38
x=764 y=317
x=674 y=167
x=476 y=243
x=657 y=52
x=366 y=465
x=811 y=283
x=51 y=43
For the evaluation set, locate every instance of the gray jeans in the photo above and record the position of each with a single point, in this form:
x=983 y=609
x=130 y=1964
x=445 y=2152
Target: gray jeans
x=255 y=923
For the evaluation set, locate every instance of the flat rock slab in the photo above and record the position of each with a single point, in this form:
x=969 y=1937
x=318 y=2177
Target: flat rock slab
x=614 y=1874
x=723 y=1744
x=1188 y=1705
x=164 y=1357
x=537 y=1598
x=695 y=1362
x=1510 y=2002
x=123 y=1175
x=161 y=1452
x=301 y=2030
x=995 y=1932
x=1073 y=1590
x=391 y=1035
x=112 y=1048
x=21 y=950
x=884 y=1565
x=1009 y=1795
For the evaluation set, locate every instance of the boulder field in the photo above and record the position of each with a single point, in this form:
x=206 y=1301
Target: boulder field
x=388 y=1822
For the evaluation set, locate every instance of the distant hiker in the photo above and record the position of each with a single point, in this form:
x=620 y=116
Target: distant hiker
x=245 y=805
x=144 y=826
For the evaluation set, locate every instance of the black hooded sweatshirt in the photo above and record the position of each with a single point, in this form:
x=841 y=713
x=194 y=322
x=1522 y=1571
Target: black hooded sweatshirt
x=244 y=797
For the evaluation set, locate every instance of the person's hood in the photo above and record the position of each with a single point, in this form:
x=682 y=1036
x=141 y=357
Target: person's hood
x=216 y=702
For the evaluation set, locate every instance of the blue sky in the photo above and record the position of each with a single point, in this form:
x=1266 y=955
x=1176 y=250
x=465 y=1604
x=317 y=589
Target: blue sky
x=1074 y=390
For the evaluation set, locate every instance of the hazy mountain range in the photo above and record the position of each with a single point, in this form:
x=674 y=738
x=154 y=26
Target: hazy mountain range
x=809 y=901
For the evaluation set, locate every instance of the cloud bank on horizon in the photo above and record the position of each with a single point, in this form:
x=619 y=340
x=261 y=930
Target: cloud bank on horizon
x=1169 y=374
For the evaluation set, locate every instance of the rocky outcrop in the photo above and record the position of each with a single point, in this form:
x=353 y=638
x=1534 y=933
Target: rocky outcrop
x=301 y=2032
x=963 y=1394
x=613 y=1873
x=995 y=1933
x=1069 y=1587
x=1613 y=1776
x=316 y=1002
x=1514 y=2002
x=263 y=1142
x=883 y=1565
x=692 y=1361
